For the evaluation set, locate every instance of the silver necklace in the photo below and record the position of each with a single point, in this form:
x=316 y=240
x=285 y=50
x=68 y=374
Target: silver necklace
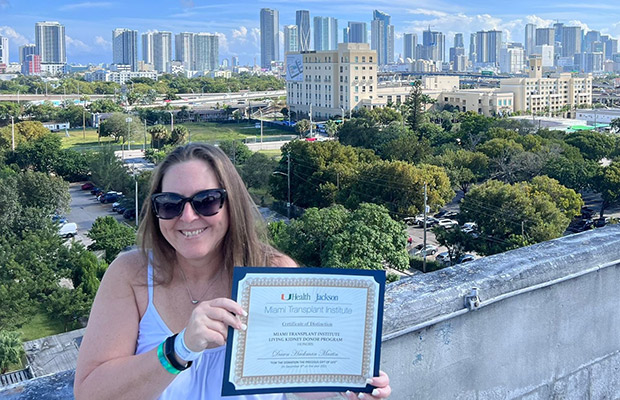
x=191 y=298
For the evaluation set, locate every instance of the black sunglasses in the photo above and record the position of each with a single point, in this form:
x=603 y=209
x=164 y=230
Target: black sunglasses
x=170 y=205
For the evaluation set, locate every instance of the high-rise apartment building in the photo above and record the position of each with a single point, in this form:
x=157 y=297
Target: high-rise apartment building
x=334 y=81
x=184 y=49
x=433 y=45
x=571 y=40
x=511 y=59
x=610 y=46
x=545 y=36
x=358 y=33
x=302 y=20
x=4 y=50
x=206 y=52
x=269 y=37
x=457 y=53
x=410 y=42
x=488 y=46
x=530 y=38
x=325 y=33
x=147 y=47
x=125 y=48
x=592 y=42
x=50 y=42
x=162 y=51
x=25 y=51
x=382 y=37
x=291 y=38
x=473 y=52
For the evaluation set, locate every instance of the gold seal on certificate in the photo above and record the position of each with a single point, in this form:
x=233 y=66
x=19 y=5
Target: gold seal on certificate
x=309 y=330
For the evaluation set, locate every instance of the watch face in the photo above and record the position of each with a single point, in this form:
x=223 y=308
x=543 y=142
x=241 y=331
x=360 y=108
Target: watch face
x=171 y=356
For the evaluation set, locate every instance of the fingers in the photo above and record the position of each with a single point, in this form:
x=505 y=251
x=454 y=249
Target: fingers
x=382 y=388
x=209 y=323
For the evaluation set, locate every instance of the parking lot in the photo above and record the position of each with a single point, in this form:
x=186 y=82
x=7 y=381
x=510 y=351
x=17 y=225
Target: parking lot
x=85 y=209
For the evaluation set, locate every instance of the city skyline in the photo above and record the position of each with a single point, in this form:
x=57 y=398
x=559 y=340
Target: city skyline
x=89 y=25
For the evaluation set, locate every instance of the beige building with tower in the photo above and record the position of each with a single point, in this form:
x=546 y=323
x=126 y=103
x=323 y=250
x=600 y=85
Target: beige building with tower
x=538 y=94
x=330 y=83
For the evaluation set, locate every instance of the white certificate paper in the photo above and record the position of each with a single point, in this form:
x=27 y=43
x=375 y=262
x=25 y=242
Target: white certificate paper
x=309 y=329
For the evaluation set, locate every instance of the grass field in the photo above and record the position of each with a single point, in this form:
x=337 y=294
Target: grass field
x=199 y=132
x=41 y=325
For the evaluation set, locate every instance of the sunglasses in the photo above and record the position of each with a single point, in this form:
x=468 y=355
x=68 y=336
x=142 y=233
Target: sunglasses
x=170 y=205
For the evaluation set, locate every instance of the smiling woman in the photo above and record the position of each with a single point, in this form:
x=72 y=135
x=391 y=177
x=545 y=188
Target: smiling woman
x=161 y=317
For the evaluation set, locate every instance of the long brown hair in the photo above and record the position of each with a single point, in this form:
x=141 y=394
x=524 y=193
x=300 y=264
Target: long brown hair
x=245 y=242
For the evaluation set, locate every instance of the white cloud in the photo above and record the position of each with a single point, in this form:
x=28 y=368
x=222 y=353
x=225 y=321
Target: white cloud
x=222 y=42
x=240 y=34
x=75 y=45
x=255 y=33
x=424 y=11
x=100 y=41
x=88 y=5
x=14 y=37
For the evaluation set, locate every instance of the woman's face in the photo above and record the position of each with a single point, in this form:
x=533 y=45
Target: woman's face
x=193 y=236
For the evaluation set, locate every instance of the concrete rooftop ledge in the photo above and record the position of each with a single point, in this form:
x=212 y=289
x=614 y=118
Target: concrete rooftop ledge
x=422 y=298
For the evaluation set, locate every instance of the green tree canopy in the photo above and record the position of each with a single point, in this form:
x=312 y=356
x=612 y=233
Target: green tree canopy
x=111 y=236
x=11 y=349
x=116 y=126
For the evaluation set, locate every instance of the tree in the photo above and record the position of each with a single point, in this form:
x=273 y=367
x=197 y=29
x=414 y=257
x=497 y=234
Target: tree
x=593 y=145
x=406 y=147
x=179 y=135
x=332 y=128
x=236 y=150
x=464 y=167
x=11 y=349
x=111 y=236
x=69 y=305
x=413 y=105
x=301 y=127
x=116 y=126
x=48 y=193
x=159 y=135
x=608 y=184
x=257 y=170
x=108 y=172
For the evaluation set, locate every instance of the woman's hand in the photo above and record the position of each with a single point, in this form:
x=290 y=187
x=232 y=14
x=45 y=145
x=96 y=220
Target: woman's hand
x=382 y=389
x=209 y=323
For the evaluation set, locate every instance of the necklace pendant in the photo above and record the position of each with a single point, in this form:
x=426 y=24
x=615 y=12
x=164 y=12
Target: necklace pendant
x=194 y=301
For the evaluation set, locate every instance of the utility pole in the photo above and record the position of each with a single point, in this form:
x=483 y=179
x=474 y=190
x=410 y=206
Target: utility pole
x=260 y=110
x=424 y=242
x=144 y=144
x=310 y=119
x=12 y=133
x=288 y=176
x=128 y=120
x=83 y=123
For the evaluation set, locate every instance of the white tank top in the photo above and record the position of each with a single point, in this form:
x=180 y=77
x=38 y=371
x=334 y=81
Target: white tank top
x=203 y=380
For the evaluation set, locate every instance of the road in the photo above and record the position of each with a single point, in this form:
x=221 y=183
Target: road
x=84 y=211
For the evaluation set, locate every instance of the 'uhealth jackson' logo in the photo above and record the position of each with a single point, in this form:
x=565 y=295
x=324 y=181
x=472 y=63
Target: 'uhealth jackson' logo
x=307 y=297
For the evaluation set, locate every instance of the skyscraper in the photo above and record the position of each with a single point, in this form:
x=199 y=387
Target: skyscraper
x=206 y=52
x=410 y=42
x=530 y=38
x=125 y=47
x=571 y=40
x=382 y=37
x=433 y=45
x=291 y=38
x=184 y=49
x=358 y=33
x=457 y=52
x=25 y=51
x=325 y=33
x=488 y=45
x=4 y=50
x=302 y=20
x=592 y=42
x=269 y=37
x=50 y=42
x=545 y=36
x=147 y=47
x=162 y=51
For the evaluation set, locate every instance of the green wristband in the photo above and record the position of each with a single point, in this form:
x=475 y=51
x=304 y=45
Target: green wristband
x=164 y=361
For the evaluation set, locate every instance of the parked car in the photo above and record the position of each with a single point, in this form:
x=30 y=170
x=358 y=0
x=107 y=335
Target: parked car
x=443 y=257
x=470 y=225
x=121 y=205
x=466 y=258
x=129 y=213
x=581 y=225
x=94 y=190
x=447 y=223
x=446 y=214
x=601 y=222
x=87 y=186
x=430 y=221
x=413 y=220
x=110 y=197
x=68 y=230
x=59 y=218
x=420 y=251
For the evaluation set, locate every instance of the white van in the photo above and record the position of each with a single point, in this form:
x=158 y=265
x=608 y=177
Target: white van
x=68 y=230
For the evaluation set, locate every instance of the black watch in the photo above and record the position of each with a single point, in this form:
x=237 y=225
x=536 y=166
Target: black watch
x=171 y=355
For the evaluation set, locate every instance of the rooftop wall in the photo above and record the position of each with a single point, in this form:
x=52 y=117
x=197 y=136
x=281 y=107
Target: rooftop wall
x=546 y=325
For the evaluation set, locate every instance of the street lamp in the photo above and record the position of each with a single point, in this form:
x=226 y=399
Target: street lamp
x=128 y=120
x=171 y=121
x=12 y=133
x=260 y=110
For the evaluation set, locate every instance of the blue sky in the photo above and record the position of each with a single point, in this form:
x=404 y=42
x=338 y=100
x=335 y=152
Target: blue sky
x=89 y=24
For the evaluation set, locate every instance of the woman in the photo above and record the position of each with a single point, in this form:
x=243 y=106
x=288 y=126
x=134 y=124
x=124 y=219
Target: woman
x=180 y=281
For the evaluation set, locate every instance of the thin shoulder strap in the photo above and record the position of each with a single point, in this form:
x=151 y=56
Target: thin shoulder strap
x=150 y=282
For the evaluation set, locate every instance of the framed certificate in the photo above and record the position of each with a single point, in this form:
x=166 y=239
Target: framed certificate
x=309 y=330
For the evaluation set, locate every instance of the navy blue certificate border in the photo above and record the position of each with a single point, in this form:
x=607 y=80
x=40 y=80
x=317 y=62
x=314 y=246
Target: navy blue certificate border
x=229 y=389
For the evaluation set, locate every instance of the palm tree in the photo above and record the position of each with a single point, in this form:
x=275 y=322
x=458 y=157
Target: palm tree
x=159 y=133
